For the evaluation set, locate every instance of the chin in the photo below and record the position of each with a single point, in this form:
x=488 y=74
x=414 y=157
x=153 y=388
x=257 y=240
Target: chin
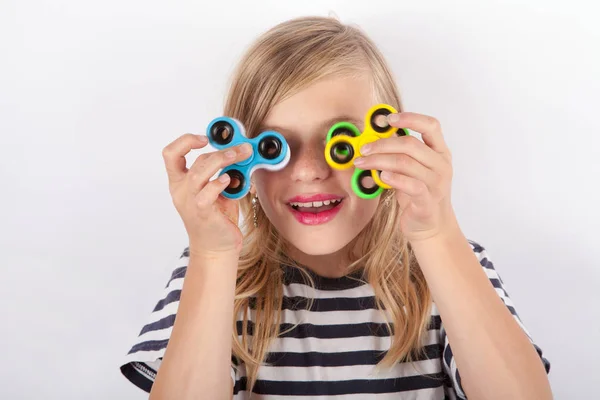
x=323 y=237
x=317 y=245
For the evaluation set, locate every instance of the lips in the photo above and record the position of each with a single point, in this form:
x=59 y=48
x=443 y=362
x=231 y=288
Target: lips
x=311 y=216
x=315 y=206
x=308 y=198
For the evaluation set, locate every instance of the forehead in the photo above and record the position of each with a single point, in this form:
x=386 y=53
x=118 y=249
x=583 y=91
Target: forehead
x=321 y=104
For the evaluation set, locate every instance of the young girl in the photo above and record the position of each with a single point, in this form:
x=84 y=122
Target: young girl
x=379 y=298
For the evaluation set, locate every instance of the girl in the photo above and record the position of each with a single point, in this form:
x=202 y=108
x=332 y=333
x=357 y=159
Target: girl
x=384 y=298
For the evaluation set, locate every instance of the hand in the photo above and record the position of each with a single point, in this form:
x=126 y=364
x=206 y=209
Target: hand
x=420 y=173
x=209 y=218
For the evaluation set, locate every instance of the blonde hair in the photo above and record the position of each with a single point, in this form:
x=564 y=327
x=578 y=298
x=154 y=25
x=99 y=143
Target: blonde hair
x=282 y=61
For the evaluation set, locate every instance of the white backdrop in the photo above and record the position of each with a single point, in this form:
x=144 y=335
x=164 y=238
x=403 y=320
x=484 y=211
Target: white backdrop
x=90 y=93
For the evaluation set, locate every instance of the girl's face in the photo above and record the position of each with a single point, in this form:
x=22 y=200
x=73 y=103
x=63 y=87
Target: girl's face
x=304 y=120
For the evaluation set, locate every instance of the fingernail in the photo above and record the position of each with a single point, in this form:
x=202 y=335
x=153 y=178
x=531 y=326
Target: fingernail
x=224 y=178
x=393 y=118
x=202 y=138
x=365 y=149
x=359 y=161
x=246 y=148
x=230 y=154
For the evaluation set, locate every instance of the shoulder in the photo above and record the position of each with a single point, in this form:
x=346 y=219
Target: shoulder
x=485 y=260
x=146 y=351
x=480 y=251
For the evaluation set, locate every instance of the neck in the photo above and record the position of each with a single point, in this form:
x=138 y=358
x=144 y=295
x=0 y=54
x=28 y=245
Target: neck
x=333 y=265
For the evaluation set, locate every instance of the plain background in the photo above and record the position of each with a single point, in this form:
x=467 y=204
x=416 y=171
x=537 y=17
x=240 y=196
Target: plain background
x=91 y=92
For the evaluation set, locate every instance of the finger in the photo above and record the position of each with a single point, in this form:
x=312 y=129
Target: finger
x=206 y=197
x=206 y=165
x=400 y=164
x=429 y=128
x=174 y=154
x=418 y=191
x=407 y=145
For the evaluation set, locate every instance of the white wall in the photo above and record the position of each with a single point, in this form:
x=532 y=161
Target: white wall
x=90 y=93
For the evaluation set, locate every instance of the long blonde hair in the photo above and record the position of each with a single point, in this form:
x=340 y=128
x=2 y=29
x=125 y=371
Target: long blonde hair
x=282 y=61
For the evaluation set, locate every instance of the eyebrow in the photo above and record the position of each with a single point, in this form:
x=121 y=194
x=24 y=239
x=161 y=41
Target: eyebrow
x=325 y=125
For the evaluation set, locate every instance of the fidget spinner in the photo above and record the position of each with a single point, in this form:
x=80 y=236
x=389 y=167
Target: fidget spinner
x=344 y=141
x=270 y=151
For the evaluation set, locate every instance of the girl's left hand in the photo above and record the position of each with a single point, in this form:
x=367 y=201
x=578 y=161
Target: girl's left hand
x=420 y=173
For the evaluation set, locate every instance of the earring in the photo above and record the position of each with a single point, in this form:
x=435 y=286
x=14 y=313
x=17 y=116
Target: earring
x=388 y=198
x=254 y=208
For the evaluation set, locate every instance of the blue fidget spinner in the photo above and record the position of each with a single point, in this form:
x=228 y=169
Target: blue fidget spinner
x=270 y=151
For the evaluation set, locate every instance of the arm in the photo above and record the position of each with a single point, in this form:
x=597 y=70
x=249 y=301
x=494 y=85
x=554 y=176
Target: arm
x=197 y=361
x=495 y=357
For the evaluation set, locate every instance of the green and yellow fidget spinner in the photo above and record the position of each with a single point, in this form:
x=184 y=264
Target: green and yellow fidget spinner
x=344 y=141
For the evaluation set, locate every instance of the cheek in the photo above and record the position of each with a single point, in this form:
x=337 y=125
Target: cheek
x=365 y=209
x=265 y=181
x=268 y=185
x=258 y=178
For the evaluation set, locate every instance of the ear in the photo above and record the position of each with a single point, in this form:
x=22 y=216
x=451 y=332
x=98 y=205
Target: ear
x=252 y=189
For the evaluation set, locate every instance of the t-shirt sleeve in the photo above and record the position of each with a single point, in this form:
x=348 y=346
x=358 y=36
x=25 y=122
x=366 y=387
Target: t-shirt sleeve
x=448 y=362
x=142 y=361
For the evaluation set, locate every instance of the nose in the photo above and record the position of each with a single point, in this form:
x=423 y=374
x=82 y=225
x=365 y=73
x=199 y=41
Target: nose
x=308 y=164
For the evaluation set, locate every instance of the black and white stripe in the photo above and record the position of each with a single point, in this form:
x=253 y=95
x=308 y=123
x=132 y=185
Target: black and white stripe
x=329 y=349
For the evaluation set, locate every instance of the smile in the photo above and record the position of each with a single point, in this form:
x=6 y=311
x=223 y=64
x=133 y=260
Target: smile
x=316 y=212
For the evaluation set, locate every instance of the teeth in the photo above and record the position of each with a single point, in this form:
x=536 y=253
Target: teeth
x=316 y=203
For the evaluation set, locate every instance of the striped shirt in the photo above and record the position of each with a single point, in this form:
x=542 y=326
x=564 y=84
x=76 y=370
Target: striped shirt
x=333 y=349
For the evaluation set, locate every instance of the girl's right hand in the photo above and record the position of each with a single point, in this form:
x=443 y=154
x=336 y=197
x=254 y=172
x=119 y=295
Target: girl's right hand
x=211 y=220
